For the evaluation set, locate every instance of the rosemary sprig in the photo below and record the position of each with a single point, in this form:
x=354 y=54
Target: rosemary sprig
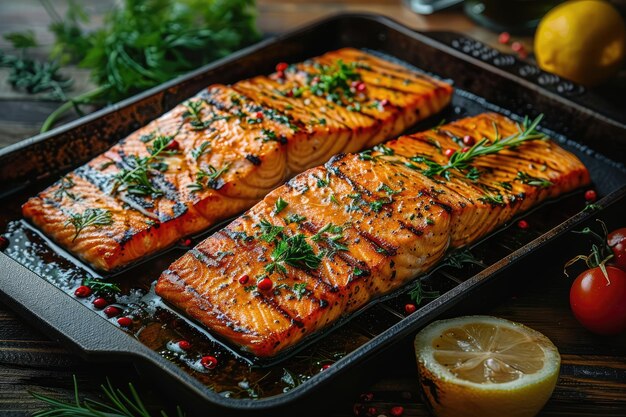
x=460 y=161
x=135 y=179
x=204 y=148
x=293 y=251
x=120 y=405
x=101 y=286
x=533 y=181
x=90 y=217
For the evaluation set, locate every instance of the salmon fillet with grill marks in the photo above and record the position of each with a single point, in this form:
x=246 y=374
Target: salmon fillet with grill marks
x=221 y=151
x=337 y=236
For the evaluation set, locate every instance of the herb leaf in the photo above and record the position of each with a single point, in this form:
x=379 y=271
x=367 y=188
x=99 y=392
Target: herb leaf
x=90 y=217
x=533 y=181
x=293 y=251
x=460 y=161
x=280 y=205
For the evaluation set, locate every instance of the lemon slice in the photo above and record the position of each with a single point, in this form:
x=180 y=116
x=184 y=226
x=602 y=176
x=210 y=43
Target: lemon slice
x=485 y=366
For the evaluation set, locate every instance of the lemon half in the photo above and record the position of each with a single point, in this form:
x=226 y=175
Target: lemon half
x=485 y=366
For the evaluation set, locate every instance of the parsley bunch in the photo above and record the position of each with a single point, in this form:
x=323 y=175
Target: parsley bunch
x=146 y=42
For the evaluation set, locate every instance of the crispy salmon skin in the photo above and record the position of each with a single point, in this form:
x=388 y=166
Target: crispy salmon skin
x=339 y=235
x=220 y=152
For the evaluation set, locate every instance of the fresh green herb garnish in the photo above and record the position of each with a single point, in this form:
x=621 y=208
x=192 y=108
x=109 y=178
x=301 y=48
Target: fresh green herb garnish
x=294 y=218
x=119 y=405
x=269 y=232
x=208 y=178
x=145 y=43
x=418 y=294
x=460 y=161
x=135 y=178
x=358 y=271
x=458 y=258
x=493 y=199
x=378 y=205
x=101 y=286
x=293 y=251
x=385 y=150
x=204 y=148
x=299 y=289
x=280 y=205
x=90 y=217
x=506 y=185
x=534 y=181
x=334 y=81
x=30 y=75
x=333 y=236
x=65 y=184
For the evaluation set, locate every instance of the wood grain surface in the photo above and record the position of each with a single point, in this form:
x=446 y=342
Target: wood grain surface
x=593 y=373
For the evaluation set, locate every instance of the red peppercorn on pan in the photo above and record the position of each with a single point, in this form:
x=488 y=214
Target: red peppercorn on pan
x=339 y=235
x=220 y=152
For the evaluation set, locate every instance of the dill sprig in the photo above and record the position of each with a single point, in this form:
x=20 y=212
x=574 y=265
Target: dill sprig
x=135 y=178
x=120 y=405
x=65 y=184
x=293 y=251
x=418 y=294
x=208 y=178
x=90 y=217
x=460 y=161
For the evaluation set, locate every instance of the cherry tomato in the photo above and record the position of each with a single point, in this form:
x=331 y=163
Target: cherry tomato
x=600 y=304
x=617 y=243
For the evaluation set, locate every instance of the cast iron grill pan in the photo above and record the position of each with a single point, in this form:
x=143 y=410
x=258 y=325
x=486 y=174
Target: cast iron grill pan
x=29 y=166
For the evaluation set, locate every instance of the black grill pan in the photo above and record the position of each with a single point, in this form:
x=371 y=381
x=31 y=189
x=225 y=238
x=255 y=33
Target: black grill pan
x=485 y=79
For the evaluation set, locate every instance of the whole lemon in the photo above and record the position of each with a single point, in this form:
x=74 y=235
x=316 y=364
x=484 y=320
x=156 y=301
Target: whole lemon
x=583 y=40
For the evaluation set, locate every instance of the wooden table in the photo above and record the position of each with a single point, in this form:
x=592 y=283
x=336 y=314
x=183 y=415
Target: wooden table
x=593 y=374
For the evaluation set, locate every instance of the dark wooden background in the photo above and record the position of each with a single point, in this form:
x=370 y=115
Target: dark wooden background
x=593 y=373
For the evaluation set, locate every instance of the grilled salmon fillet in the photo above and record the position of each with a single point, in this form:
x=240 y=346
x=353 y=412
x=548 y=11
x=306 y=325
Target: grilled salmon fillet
x=220 y=152
x=339 y=235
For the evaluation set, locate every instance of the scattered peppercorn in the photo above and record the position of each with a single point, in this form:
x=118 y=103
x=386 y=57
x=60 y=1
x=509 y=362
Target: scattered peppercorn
x=82 y=292
x=591 y=196
x=265 y=284
x=112 y=311
x=184 y=345
x=125 y=321
x=410 y=308
x=366 y=397
x=100 y=303
x=209 y=362
x=396 y=411
x=468 y=140
x=173 y=145
x=243 y=279
x=259 y=115
x=325 y=367
x=523 y=224
x=504 y=38
x=281 y=66
x=449 y=152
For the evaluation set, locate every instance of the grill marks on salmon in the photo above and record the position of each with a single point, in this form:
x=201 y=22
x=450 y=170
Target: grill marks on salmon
x=228 y=147
x=373 y=220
